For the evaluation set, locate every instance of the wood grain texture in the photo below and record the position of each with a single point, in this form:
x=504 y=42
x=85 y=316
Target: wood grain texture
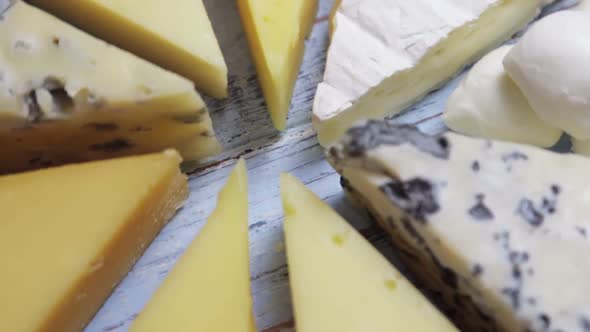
x=245 y=129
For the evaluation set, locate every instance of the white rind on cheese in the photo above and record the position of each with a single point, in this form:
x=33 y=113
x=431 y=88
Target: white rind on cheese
x=550 y=65
x=386 y=54
x=488 y=104
x=67 y=97
x=502 y=223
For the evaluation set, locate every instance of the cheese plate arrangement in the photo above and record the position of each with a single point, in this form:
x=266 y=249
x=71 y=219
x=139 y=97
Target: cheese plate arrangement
x=309 y=165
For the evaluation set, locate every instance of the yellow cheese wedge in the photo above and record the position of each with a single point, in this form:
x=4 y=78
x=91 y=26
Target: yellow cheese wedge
x=276 y=31
x=68 y=235
x=209 y=289
x=339 y=281
x=176 y=36
x=68 y=97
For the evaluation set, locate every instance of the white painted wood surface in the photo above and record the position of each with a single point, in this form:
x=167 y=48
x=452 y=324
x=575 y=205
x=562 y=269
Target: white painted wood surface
x=246 y=130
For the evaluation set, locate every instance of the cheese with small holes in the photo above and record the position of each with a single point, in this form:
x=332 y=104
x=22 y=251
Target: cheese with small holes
x=276 y=31
x=339 y=281
x=69 y=234
x=498 y=230
x=209 y=288
x=178 y=36
x=386 y=54
x=488 y=104
x=68 y=97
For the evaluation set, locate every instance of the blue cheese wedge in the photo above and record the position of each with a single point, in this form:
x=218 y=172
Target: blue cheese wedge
x=386 y=54
x=68 y=97
x=499 y=232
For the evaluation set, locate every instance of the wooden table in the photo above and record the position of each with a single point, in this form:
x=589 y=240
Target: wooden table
x=246 y=130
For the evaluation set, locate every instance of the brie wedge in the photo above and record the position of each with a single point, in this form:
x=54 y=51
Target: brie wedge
x=386 y=54
x=499 y=230
x=488 y=104
x=550 y=65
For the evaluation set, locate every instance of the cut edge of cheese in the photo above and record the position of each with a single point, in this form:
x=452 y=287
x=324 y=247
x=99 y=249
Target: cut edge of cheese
x=276 y=33
x=486 y=224
x=339 y=281
x=335 y=111
x=209 y=288
x=60 y=104
x=92 y=222
x=179 y=37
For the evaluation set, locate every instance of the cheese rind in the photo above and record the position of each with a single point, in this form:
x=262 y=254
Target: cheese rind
x=496 y=228
x=276 y=31
x=68 y=97
x=339 y=281
x=209 y=288
x=384 y=55
x=68 y=235
x=177 y=36
x=549 y=65
x=488 y=104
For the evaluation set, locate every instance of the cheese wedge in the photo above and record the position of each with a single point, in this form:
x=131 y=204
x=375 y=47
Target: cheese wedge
x=386 y=54
x=209 y=288
x=339 y=281
x=68 y=235
x=276 y=31
x=178 y=36
x=500 y=230
x=68 y=97
x=489 y=104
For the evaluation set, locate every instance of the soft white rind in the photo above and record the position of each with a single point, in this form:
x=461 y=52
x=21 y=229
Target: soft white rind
x=387 y=54
x=550 y=65
x=488 y=104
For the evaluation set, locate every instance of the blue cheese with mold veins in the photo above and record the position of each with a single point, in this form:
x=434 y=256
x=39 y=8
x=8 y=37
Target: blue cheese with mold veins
x=67 y=97
x=386 y=54
x=498 y=232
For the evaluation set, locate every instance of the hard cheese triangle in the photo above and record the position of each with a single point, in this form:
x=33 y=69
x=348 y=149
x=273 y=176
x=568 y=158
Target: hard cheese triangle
x=176 y=36
x=276 y=31
x=339 y=281
x=386 y=54
x=209 y=288
x=69 y=234
x=500 y=230
x=67 y=97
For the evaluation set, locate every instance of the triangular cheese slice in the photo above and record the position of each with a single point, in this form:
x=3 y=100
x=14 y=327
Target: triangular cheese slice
x=68 y=235
x=500 y=230
x=276 y=31
x=209 y=288
x=68 y=97
x=339 y=281
x=386 y=54
x=177 y=36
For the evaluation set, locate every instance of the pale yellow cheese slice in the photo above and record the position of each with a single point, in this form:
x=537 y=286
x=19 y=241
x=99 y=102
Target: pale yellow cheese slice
x=176 y=35
x=339 y=281
x=276 y=31
x=66 y=96
x=69 y=234
x=209 y=289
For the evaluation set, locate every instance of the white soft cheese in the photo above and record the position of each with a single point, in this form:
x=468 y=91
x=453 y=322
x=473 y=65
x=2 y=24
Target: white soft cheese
x=550 y=65
x=386 y=54
x=488 y=104
x=505 y=224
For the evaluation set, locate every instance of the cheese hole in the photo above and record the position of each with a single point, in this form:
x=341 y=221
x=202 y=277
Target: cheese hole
x=338 y=240
x=391 y=284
